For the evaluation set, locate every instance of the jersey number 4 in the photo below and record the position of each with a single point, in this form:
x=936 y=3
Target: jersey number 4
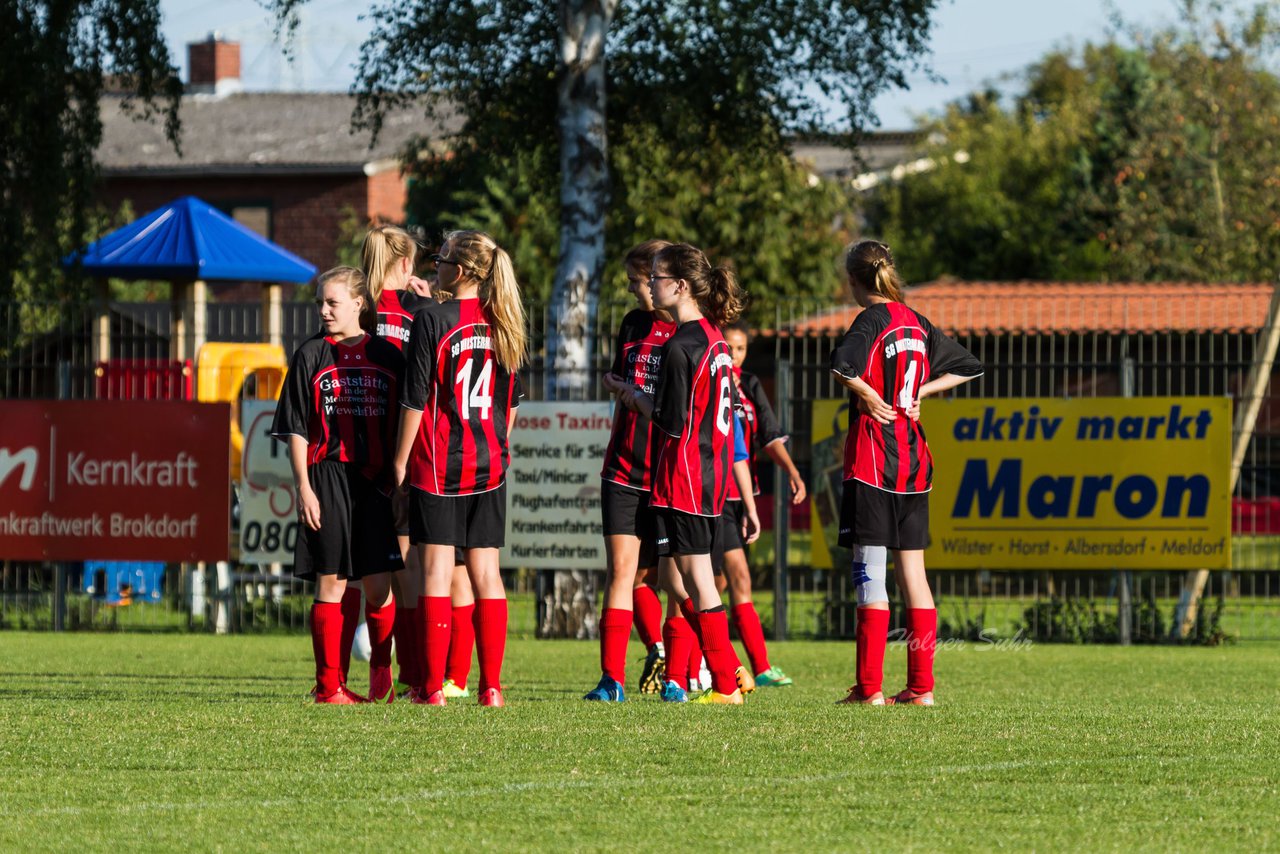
x=907 y=395
x=478 y=396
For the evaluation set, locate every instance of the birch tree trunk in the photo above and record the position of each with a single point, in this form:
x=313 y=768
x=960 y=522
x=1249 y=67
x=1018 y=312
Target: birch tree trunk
x=584 y=189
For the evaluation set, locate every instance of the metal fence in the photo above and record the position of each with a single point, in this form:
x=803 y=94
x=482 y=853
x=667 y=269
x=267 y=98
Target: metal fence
x=51 y=351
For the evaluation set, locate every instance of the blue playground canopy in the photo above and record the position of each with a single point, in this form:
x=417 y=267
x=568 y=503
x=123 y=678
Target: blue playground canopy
x=190 y=239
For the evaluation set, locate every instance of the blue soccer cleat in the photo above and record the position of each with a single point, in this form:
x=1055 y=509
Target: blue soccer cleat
x=608 y=691
x=673 y=693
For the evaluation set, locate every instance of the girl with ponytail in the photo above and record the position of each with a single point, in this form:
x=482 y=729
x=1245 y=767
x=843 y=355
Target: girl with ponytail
x=891 y=358
x=460 y=399
x=388 y=256
x=693 y=406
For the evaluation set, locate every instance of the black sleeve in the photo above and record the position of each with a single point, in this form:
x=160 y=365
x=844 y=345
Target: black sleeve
x=294 y=407
x=947 y=356
x=767 y=427
x=418 y=363
x=671 y=397
x=517 y=390
x=851 y=355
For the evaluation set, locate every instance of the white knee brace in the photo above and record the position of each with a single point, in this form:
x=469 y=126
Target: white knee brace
x=870 y=568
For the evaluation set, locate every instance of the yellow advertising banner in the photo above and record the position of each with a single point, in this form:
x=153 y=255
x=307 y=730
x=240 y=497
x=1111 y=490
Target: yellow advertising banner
x=1043 y=483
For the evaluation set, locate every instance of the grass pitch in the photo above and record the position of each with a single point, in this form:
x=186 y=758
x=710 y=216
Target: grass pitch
x=198 y=742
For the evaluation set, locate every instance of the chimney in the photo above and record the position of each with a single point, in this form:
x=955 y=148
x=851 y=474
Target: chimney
x=213 y=66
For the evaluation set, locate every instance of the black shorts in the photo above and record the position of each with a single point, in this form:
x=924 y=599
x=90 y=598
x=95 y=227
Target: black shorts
x=357 y=534
x=686 y=534
x=874 y=517
x=466 y=521
x=730 y=533
x=626 y=512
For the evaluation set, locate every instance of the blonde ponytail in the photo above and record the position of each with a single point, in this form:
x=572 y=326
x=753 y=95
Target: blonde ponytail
x=382 y=249
x=490 y=265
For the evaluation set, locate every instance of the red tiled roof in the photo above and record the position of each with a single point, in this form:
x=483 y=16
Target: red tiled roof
x=1061 y=307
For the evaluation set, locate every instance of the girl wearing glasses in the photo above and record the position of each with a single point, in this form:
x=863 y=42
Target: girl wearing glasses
x=693 y=407
x=452 y=455
x=388 y=256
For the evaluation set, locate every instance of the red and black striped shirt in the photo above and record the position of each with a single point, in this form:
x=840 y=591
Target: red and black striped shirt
x=637 y=358
x=395 y=314
x=693 y=407
x=344 y=400
x=465 y=395
x=760 y=426
x=895 y=351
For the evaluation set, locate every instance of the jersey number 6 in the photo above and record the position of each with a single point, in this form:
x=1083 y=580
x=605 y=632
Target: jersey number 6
x=723 y=424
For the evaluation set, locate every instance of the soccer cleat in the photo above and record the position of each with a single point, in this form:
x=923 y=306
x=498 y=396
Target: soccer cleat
x=655 y=668
x=409 y=694
x=435 y=698
x=673 y=693
x=608 y=690
x=402 y=689
x=856 y=698
x=772 y=678
x=907 y=697
x=492 y=698
x=453 y=692
x=746 y=684
x=713 y=697
x=380 y=685
x=341 y=697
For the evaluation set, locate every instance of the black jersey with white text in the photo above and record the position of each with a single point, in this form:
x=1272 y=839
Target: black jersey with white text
x=895 y=351
x=395 y=314
x=344 y=399
x=465 y=395
x=637 y=358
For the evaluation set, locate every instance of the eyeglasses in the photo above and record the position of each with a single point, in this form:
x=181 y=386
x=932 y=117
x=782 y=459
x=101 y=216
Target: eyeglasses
x=440 y=259
x=653 y=279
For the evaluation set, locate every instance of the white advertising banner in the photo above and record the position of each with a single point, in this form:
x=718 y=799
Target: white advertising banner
x=553 y=486
x=268 y=502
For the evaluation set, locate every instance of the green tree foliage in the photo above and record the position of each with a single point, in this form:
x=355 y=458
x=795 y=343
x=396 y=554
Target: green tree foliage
x=55 y=57
x=1156 y=159
x=780 y=227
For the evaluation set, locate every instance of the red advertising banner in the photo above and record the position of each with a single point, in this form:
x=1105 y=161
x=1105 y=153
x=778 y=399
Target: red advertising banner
x=114 y=480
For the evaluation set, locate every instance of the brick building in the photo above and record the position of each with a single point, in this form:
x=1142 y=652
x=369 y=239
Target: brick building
x=286 y=164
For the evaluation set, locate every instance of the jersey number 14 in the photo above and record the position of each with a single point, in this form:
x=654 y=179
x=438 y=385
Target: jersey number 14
x=477 y=396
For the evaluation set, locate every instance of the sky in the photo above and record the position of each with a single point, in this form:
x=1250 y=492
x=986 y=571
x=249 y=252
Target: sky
x=974 y=42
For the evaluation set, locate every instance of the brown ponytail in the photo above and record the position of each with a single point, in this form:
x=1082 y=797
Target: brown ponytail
x=716 y=289
x=482 y=258
x=869 y=265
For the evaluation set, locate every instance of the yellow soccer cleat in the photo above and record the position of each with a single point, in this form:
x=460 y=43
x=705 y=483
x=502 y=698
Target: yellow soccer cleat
x=712 y=697
x=746 y=682
x=453 y=692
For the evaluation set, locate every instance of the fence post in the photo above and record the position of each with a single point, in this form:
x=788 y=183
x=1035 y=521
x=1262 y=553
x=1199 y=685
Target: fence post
x=60 y=596
x=1124 y=619
x=781 y=510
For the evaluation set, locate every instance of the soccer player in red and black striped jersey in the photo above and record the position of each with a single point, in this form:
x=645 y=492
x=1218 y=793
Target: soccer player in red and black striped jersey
x=459 y=405
x=891 y=358
x=388 y=256
x=693 y=405
x=338 y=412
x=760 y=432
x=629 y=532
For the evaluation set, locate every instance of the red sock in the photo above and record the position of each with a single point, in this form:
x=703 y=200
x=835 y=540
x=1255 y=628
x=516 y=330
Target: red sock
x=678 y=637
x=491 y=636
x=615 y=631
x=721 y=660
x=752 y=634
x=922 y=639
x=381 y=621
x=461 y=643
x=350 y=621
x=406 y=636
x=648 y=615
x=437 y=620
x=872 y=634
x=326 y=640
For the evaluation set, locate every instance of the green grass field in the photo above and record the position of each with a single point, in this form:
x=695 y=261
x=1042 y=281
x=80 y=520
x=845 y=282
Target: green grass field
x=191 y=741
